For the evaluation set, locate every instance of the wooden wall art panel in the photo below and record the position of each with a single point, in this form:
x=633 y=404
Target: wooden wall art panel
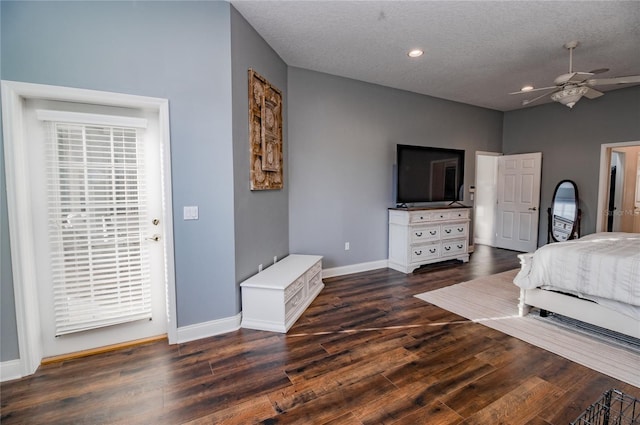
x=265 y=133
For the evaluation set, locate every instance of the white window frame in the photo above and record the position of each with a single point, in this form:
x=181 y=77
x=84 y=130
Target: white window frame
x=22 y=239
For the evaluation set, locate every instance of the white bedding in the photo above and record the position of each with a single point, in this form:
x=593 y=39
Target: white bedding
x=602 y=267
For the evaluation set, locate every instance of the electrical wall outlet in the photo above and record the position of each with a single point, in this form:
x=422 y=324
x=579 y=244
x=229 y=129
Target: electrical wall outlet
x=190 y=213
x=275 y=259
x=259 y=268
x=346 y=246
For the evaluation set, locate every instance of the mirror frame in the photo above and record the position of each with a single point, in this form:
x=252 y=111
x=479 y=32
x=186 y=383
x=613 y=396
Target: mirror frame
x=576 y=217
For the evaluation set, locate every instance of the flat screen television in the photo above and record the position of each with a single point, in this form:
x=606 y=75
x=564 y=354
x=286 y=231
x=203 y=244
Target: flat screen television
x=426 y=174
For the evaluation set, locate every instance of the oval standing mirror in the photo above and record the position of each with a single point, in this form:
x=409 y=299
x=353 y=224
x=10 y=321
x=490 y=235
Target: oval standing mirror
x=564 y=213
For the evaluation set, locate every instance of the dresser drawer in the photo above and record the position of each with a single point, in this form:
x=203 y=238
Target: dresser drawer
x=454 y=230
x=423 y=234
x=315 y=269
x=294 y=288
x=440 y=215
x=459 y=214
x=315 y=282
x=454 y=247
x=296 y=301
x=425 y=252
x=421 y=217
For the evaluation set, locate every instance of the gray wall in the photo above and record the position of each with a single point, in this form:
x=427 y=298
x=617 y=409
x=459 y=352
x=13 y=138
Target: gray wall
x=175 y=50
x=8 y=330
x=342 y=138
x=570 y=140
x=261 y=217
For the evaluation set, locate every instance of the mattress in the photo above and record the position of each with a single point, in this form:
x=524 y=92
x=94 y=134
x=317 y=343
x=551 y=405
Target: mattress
x=602 y=267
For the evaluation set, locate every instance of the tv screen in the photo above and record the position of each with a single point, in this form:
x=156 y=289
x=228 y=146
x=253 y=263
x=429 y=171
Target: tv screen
x=428 y=174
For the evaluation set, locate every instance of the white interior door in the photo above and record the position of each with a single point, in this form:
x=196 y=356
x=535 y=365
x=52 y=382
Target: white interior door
x=517 y=212
x=97 y=216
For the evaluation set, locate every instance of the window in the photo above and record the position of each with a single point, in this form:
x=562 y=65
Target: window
x=96 y=208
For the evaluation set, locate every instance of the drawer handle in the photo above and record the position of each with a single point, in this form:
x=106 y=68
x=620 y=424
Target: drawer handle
x=447 y=248
x=447 y=230
x=432 y=250
x=441 y=216
x=433 y=232
x=459 y=246
x=421 y=218
x=460 y=229
x=418 y=234
x=418 y=252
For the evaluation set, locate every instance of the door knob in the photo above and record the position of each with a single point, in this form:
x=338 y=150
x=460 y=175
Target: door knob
x=154 y=238
x=533 y=209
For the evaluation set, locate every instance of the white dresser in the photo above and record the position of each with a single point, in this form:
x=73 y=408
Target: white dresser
x=429 y=235
x=274 y=299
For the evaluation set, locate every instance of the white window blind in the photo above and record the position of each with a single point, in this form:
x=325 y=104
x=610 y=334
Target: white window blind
x=97 y=212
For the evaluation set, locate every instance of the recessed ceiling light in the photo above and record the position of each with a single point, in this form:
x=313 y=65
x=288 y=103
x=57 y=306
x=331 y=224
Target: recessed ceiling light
x=527 y=88
x=415 y=53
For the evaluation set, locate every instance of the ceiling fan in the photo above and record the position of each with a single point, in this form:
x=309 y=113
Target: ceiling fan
x=571 y=87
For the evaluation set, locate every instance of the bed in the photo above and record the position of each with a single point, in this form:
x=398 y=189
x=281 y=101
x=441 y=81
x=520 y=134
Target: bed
x=594 y=279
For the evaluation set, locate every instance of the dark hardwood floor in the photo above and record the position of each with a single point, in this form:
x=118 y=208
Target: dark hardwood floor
x=365 y=352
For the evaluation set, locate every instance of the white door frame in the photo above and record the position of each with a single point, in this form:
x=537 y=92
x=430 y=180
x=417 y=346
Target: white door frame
x=603 y=190
x=19 y=203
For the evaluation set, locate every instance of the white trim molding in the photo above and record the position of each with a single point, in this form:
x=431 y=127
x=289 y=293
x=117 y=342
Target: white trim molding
x=19 y=204
x=11 y=369
x=207 y=329
x=354 y=268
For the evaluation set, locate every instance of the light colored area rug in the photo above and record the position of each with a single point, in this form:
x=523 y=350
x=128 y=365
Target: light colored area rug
x=493 y=302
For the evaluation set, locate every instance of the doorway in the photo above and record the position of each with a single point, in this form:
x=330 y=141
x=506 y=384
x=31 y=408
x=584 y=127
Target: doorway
x=616 y=185
x=508 y=194
x=96 y=207
x=486 y=191
x=23 y=207
x=619 y=191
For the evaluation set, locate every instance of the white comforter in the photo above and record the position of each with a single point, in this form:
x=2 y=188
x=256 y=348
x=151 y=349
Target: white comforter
x=597 y=266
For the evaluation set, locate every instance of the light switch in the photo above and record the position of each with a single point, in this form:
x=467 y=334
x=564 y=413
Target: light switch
x=190 y=213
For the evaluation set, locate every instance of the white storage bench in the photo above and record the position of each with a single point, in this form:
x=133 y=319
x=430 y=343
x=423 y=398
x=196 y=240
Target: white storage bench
x=274 y=299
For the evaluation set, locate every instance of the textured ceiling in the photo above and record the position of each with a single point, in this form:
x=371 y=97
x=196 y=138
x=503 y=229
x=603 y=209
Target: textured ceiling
x=476 y=52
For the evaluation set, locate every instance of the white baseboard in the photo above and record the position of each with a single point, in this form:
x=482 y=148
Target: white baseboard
x=355 y=268
x=11 y=369
x=207 y=329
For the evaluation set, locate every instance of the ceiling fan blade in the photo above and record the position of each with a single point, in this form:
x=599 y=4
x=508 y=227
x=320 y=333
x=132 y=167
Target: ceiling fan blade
x=616 y=80
x=529 y=101
x=579 y=77
x=592 y=93
x=599 y=71
x=532 y=90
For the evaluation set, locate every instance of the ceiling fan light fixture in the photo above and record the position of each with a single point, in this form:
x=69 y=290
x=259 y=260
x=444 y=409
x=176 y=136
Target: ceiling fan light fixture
x=415 y=53
x=569 y=96
x=527 y=88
